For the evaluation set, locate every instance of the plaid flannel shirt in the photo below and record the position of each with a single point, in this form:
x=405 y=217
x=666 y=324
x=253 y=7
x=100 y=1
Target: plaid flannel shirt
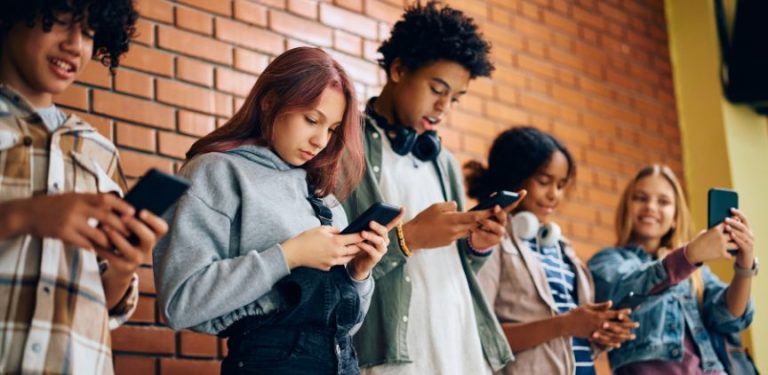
x=53 y=313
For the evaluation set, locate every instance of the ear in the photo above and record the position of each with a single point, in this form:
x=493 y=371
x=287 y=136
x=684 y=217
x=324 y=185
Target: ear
x=396 y=70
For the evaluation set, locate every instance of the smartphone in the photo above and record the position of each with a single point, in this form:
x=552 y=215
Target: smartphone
x=630 y=301
x=719 y=204
x=156 y=191
x=379 y=212
x=501 y=198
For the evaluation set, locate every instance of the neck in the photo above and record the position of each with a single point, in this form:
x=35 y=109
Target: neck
x=385 y=103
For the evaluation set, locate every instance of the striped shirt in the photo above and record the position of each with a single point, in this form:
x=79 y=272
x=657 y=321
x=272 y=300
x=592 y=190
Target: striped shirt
x=53 y=315
x=561 y=279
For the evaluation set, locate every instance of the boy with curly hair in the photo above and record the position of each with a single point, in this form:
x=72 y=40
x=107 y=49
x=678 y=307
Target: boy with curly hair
x=67 y=268
x=428 y=314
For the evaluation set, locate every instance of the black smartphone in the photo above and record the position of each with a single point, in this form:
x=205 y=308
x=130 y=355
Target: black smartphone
x=630 y=301
x=501 y=198
x=156 y=191
x=379 y=212
x=719 y=204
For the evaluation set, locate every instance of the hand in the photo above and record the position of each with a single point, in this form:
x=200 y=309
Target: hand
x=67 y=216
x=440 y=224
x=737 y=227
x=321 y=248
x=124 y=258
x=490 y=231
x=373 y=248
x=585 y=320
x=615 y=331
x=709 y=245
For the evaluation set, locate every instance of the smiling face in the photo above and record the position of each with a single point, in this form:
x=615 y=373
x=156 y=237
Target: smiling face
x=299 y=136
x=651 y=208
x=424 y=96
x=41 y=64
x=546 y=188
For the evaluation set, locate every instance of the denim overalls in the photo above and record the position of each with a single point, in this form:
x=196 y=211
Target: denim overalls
x=311 y=335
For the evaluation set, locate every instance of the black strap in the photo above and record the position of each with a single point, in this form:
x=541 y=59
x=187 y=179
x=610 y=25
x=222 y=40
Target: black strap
x=323 y=213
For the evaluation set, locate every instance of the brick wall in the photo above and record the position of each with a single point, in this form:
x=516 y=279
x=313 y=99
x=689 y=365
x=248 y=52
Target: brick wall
x=595 y=73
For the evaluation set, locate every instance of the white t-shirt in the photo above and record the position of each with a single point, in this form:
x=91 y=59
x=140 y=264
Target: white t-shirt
x=442 y=330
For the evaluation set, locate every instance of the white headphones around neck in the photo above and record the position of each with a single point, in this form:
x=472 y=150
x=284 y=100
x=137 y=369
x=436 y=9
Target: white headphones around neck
x=526 y=226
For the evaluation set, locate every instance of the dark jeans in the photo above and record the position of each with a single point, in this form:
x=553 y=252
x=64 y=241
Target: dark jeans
x=290 y=350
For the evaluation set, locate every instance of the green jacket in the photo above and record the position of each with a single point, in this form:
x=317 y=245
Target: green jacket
x=382 y=338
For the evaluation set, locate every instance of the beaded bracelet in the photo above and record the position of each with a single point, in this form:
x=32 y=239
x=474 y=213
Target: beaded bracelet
x=401 y=240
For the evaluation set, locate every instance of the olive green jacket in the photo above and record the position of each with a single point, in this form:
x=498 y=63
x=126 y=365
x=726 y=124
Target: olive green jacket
x=382 y=338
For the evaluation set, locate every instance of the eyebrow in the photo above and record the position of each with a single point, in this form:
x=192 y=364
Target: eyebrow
x=444 y=83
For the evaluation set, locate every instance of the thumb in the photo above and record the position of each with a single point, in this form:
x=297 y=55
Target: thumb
x=331 y=229
x=601 y=306
x=449 y=206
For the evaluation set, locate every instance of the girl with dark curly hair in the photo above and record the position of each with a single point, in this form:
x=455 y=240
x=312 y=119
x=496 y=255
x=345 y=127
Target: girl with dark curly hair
x=67 y=270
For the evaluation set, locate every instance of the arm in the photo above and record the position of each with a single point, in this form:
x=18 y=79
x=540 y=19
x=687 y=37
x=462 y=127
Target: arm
x=523 y=336
x=11 y=219
x=717 y=311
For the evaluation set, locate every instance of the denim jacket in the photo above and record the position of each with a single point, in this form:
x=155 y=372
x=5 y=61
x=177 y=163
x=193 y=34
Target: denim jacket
x=664 y=316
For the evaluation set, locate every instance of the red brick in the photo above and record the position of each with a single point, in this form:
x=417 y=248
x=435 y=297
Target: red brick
x=510 y=115
x=148 y=60
x=194 y=20
x=135 y=339
x=348 y=21
x=194 y=344
x=539 y=104
x=300 y=28
x=384 y=11
x=353 y=5
x=537 y=66
x=137 y=137
x=359 y=69
x=175 y=145
x=194 y=71
x=249 y=36
x=346 y=42
x=96 y=74
x=502 y=35
x=145 y=311
x=135 y=164
x=470 y=123
x=234 y=82
x=251 y=13
x=195 y=45
x=565 y=24
x=169 y=366
x=145 y=32
x=129 y=365
x=195 y=123
x=132 y=109
x=75 y=96
x=251 y=62
x=223 y=7
x=304 y=8
x=192 y=97
x=277 y=4
x=159 y=10
x=135 y=83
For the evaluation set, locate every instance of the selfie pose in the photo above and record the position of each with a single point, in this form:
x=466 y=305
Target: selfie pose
x=685 y=307
x=541 y=292
x=254 y=251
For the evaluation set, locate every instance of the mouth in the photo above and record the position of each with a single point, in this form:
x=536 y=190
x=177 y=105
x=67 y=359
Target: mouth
x=307 y=155
x=430 y=122
x=648 y=220
x=63 y=67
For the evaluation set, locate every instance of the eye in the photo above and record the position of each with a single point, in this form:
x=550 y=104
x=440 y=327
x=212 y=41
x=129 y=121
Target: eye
x=332 y=130
x=455 y=100
x=436 y=91
x=310 y=120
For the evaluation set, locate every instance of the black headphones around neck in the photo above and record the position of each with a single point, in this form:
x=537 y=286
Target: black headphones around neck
x=425 y=146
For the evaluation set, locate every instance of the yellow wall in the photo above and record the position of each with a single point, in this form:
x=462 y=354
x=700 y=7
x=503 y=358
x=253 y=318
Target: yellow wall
x=723 y=144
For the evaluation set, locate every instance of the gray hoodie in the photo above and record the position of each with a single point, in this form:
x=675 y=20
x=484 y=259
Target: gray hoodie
x=222 y=255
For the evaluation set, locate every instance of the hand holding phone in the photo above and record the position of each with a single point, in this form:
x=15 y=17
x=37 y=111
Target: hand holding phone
x=501 y=198
x=379 y=212
x=155 y=192
x=719 y=204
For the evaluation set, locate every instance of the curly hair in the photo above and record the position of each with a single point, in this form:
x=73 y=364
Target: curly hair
x=112 y=21
x=516 y=155
x=428 y=33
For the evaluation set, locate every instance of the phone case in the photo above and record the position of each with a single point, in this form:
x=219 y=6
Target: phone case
x=502 y=198
x=720 y=201
x=156 y=192
x=379 y=212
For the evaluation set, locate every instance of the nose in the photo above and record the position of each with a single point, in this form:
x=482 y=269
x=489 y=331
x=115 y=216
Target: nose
x=74 y=42
x=320 y=138
x=443 y=103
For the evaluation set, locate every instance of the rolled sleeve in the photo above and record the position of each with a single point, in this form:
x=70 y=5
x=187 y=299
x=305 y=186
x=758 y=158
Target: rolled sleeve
x=127 y=305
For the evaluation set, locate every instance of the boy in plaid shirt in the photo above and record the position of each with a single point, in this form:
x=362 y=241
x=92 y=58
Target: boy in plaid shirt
x=67 y=270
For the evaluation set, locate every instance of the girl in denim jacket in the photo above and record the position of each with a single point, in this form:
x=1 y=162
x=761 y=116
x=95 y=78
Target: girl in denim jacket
x=541 y=292
x=684 y=301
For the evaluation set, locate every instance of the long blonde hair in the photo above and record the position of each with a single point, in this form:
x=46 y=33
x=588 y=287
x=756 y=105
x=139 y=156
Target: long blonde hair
x=681 y=231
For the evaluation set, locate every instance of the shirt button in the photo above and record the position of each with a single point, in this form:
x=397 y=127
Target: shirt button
x=36 y=348
x=407 y=279
x=405 y=318
x=46 y=289
x=376 y=168
x=27 y=140
x=393 y=264
x=375 y=135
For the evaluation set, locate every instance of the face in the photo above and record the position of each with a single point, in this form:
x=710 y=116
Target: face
x=546 y=188
x=652 y=208
x=425 y=96
x=300 y=136
x=41 y=64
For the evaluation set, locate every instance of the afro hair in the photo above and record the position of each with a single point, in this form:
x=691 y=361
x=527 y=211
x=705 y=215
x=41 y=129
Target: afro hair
x=431 y=32
x=111 y=21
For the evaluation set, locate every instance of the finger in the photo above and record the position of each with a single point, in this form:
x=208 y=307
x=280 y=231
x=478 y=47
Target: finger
x=378 y=229
x=146 y=236
x=331 y=229
x=372 y=251
x=396 y=220
x=343 y=260
x=155 y=223
x=492 y=227
x=601 y=306
x=76 y=239
x=95 y=236
x=349 y=239
x=522 y=193
x=736 y=225
x=117 y=204
x=449 y=206
x=373 y=238
x=739 y=214
x=107 y=217
x=125 y=250
x=741 y=240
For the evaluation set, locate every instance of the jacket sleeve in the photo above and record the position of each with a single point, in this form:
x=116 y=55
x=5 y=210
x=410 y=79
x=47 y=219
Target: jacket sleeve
x=715 y=311
x=489 y=277
x=617 y=272
x=197 y=277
